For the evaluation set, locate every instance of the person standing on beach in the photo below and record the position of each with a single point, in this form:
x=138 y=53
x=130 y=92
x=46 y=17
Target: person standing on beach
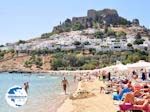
x=89 y=77
x=103 y=76
x=26 y=87
x=65 y=84
x=143 y=75
x=74 y=78
x=109 y=76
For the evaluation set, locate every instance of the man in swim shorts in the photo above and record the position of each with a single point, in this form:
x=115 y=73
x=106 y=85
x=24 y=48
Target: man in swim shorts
x=65 y=84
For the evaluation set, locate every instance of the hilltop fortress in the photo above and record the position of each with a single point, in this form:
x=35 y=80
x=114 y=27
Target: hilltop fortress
x=102 y=17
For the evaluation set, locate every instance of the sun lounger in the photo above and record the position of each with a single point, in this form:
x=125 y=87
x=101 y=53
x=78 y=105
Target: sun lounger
x=130 y=107
x=120 y=96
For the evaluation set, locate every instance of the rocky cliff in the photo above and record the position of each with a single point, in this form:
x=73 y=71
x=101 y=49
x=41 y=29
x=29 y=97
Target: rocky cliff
x=101 y=17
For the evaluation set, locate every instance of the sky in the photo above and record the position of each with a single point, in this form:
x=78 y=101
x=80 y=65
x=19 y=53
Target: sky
x=25 y=19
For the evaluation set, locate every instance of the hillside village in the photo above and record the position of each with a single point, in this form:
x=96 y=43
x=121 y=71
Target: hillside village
x=86 y=38
x=100 y=31
x=90 y=36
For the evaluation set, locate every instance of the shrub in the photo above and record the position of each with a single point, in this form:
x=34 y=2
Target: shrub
x=38 y=62
x=124 y=21
x=139 y=41
x=99 y=35
x=77 y=43
x=21 y=42
x=86 y=43
x=92 y=51
x=129 y=45
x=77 y=26
x=46 y=35
x=33 y=60
x=88 y=66
x=2 y=53
x=121 y=33
x=56 y=63
x=110 y=32
x=27 y=64
x=1 y=45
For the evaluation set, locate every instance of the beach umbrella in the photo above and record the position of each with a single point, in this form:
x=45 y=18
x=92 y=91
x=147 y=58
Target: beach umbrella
x=148 y=69
x=108 y=68
x=121 y=67
x=140 y=64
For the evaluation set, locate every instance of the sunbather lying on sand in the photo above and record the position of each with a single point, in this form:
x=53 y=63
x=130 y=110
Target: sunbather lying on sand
x=137 y=98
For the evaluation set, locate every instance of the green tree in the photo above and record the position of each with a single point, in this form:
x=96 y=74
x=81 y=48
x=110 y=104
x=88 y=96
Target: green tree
x=77 y=26
x=72 y=59
x=46 y=35
x=120 y=33
x=56 y=63
x=110 y=32
x=139 y=41
x=38 y=62
x=80 y=61
x=86 y=43
x=28 y=64
x=123 y=21
x=129 y=45
x=99 y=35
x=1 y=45
x=2 y=53
x=88 y=67
x=77 y=43
x=92 y=51
x=21 y=42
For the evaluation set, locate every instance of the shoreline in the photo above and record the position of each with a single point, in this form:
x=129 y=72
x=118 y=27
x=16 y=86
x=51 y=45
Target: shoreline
x=64 y=103
x=63 y=100
x=58 y=98
x=44 y=71
x=22 y=71
x=84 y=104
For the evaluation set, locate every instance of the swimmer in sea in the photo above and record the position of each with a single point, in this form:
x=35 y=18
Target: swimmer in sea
x=65 y=84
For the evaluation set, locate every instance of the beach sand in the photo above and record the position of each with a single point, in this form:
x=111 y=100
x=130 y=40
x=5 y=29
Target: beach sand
x=98 y=103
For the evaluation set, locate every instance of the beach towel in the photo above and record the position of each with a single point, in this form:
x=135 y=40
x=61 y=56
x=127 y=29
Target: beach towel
x=125 y=107
x=135 y=108
x=121 y=95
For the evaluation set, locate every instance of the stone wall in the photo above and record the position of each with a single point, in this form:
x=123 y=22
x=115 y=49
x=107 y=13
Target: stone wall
x=105 y=16
x=81 y=20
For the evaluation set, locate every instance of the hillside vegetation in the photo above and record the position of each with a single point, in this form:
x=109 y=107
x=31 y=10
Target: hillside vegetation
x=82 y=43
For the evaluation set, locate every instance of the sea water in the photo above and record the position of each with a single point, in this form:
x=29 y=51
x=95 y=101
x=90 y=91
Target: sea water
x=45 y=91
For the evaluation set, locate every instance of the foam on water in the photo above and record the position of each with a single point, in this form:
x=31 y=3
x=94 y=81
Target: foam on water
x=54 y=77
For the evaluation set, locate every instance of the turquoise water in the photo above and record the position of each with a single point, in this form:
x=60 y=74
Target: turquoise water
x=45 y=93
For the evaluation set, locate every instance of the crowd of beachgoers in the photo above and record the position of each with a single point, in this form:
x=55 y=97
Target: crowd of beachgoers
x=130 y=91
x=116 y=88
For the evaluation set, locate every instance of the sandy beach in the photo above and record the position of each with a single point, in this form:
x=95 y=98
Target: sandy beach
x=97 y=103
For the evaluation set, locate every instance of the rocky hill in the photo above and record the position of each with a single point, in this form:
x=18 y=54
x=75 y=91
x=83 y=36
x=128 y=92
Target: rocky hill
x=93 y=18
x=95 y=40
